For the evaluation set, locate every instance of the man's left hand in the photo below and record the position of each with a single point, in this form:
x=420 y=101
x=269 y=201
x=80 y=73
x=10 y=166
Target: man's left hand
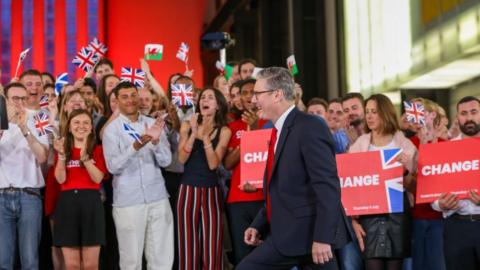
x=321 y=253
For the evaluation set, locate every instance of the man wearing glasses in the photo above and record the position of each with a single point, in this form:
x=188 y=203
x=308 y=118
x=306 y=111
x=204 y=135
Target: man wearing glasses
x=22 y=151
x=302 y=220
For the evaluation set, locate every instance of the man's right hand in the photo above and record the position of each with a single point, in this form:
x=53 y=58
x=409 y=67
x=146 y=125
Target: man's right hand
x=252 y=237
x=251 y=118
x=448 y=201
x=248 y=188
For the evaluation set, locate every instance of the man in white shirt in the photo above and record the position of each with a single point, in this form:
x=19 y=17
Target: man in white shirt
x=22 y=151
x=135 y=148
x=462 y=224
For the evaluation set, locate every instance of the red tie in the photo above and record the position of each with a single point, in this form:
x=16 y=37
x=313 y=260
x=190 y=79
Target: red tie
x=271 y=155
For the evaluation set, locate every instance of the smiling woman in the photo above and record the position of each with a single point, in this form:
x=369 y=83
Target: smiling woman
x=202 y=146
x=79 y=218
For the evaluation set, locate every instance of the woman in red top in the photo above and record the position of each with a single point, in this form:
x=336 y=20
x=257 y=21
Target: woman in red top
x=79 y=226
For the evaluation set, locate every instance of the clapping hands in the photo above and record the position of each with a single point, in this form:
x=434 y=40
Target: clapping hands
x=155 y=130
x=59 y=145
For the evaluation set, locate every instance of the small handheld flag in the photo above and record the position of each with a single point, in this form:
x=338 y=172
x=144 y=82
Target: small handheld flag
x=415 y=112
x=225 y=70
x=182 y=53
x=42 y=124
x=97 y=47
x=62 y=80
x=133 y=75
x=21 y=57
x=86 y=59
x=130 y=131
x=182 y=94
x=44 y=102
x=153 y=52
x=292 y=65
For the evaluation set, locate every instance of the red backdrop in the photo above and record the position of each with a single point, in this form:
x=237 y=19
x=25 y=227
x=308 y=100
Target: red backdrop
x=129 y=25
x=124 y=26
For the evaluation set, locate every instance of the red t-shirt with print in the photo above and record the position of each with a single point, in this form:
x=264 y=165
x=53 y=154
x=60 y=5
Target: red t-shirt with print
x=77 y=175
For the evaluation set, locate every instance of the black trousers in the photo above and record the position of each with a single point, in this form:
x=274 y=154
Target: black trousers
x=267 y=257
x=109 y=255
x=461 y=244
x=240 y=216
x=172 y=183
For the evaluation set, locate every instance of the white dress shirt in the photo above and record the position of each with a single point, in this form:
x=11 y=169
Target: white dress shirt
x=280 y=121
x=137 y=178
x=18 y=166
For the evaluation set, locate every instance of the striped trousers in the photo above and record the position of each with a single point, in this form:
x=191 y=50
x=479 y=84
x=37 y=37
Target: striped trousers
x=200 y=235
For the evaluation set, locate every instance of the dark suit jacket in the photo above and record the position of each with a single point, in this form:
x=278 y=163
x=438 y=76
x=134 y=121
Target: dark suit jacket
x=304 y=189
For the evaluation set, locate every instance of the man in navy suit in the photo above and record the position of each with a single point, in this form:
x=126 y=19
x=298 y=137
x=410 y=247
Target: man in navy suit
x=303 y=218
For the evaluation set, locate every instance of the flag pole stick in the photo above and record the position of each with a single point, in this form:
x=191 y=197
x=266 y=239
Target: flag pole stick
x=89 y=73
x=18 y=67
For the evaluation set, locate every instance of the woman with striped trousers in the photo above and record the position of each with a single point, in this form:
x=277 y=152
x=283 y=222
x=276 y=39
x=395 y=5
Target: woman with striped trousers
x=202 y=146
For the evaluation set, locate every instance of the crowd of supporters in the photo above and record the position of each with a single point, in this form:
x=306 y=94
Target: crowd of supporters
x=123 y=178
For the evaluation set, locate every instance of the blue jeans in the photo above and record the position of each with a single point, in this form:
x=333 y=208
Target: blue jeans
x=427 y=252
x=351 y=256
x=20 y=212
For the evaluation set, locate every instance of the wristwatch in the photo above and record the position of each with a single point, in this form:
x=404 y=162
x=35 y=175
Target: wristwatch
x=27 y=133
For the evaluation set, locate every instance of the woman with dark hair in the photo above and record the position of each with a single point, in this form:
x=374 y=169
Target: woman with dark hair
x=111 y=113
x=236 y=106
x=105 y=86
x=172 y=79
x=202 y=146
x=47 y=78
x=385 y=239
x=79 y=227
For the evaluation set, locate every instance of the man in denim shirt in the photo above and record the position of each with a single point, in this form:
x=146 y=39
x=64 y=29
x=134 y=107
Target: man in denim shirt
x=135 y=148
x=336 y=122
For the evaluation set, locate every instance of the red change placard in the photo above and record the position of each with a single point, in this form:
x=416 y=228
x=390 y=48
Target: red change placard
x=253 y=156
x=448 y=167
x=371 y=182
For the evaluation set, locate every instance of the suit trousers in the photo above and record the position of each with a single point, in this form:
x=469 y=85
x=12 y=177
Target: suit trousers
x=461 y=243
x=267 y=257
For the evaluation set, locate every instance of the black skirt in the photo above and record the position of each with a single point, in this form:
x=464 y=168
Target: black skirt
x=79 y=219
x=388 y=235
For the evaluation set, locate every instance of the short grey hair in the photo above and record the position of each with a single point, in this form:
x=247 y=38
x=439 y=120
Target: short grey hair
x=279 y=78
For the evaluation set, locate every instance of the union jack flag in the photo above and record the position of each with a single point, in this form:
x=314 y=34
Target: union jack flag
x=86 y=59
x=130 y=131
x=182 y=53
x=133 y=75
x=97 y=47
x=182 y=94
x=42 y=124
x=44 y=102
x=389 y=158
x=415 y=112
x=393 y=186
